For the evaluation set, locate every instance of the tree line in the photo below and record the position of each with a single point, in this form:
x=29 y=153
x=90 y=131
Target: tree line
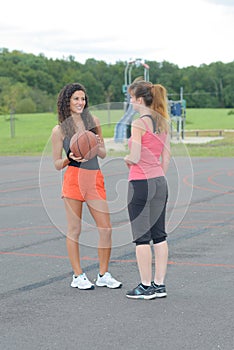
x=30 y=83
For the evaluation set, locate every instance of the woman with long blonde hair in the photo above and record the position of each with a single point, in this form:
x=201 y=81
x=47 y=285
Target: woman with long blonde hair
x=148 y=163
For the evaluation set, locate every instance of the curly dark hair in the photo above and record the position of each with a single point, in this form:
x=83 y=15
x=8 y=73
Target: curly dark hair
x=64 y=113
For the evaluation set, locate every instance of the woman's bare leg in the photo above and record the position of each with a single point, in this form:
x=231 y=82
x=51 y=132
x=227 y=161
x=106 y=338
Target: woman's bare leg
x=100 y=212
x=73 y=212
x=144 y=261
x=161 y=259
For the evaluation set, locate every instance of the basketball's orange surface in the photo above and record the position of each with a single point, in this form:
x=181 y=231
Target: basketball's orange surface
x=84 y=144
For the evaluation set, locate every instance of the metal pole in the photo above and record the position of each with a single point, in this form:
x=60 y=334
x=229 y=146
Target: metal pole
x=146 y=71
x=126 y=75
x=181 y=93
x=130 y=75
x=182 y=113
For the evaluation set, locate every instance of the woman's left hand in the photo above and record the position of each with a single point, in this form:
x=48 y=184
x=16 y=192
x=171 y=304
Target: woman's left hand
x=99 y=141
x=128 y=161
x=77 y=159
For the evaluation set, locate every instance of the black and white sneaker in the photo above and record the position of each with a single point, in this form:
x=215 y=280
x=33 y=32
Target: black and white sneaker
x=142 y=293
x=160 y=290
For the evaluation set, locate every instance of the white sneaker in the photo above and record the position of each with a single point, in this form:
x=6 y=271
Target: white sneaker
x=81 y=282
x=107 y=281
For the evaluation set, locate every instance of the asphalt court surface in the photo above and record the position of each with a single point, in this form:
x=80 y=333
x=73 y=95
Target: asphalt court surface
x=39 y=309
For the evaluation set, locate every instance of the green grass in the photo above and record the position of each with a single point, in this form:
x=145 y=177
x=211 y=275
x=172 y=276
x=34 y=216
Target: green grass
x=32 y=132
x=209 y=119
x=218 y=148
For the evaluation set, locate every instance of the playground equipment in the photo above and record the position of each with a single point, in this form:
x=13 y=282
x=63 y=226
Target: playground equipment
x=177 y=111
x=122 y=128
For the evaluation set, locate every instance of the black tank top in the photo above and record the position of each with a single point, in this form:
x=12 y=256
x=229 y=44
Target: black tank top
x=91 y=164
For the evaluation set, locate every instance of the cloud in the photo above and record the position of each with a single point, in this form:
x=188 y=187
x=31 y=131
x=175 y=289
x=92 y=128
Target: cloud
x=222 y=2
x=182 y=32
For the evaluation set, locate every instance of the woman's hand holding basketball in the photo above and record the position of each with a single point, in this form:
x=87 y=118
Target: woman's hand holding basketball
x=77 y=159
x=99 y=141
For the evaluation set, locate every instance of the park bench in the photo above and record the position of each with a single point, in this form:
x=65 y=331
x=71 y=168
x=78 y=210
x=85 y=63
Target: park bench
x=205 y=132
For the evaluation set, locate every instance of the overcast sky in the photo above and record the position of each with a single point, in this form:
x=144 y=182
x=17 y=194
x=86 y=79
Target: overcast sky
x=183 y=32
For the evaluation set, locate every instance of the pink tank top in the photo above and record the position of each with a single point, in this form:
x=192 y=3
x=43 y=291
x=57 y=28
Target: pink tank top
x=149 y=165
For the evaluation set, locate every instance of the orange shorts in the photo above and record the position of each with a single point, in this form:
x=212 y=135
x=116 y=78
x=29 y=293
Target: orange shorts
x=82 y=184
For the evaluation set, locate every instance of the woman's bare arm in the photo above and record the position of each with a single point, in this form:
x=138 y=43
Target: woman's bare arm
x=57 y=149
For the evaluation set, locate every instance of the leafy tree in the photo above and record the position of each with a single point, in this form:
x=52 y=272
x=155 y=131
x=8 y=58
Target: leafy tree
x=30 y=82
x=25 y=105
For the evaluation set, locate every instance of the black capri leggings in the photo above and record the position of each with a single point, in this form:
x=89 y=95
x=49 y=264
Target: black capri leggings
x=147 y=201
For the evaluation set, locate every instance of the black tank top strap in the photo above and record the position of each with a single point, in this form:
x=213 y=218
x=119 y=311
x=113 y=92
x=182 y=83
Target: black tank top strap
x=153 y=121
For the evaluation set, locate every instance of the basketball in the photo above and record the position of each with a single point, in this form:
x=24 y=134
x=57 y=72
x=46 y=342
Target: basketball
x=84 y=145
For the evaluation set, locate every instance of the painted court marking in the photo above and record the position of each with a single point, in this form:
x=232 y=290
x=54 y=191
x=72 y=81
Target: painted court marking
x=88 y=258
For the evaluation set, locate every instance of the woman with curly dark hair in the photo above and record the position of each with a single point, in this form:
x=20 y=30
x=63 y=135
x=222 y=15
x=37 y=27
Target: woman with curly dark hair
x=83 y=182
